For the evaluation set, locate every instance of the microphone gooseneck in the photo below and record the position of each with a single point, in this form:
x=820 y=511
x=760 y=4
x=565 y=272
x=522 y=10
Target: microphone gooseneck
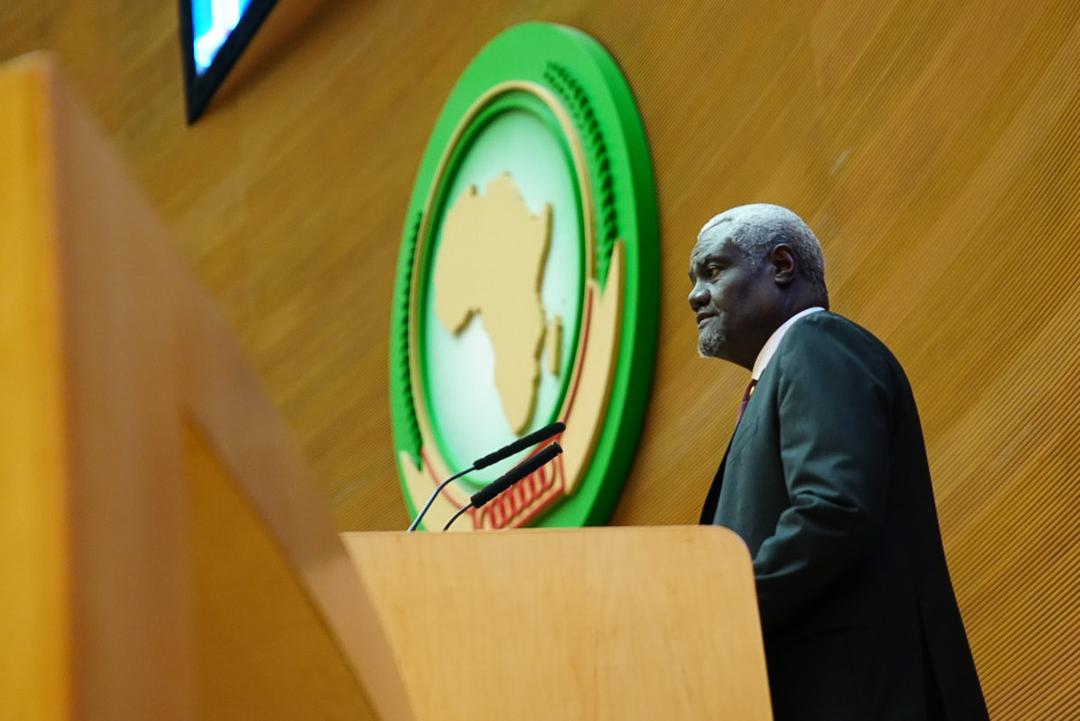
x=525 y=468
x=537 y=436
x=431 y=498
x=453 y=518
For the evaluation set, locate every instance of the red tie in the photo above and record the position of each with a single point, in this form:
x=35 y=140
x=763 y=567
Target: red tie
x=745 y=400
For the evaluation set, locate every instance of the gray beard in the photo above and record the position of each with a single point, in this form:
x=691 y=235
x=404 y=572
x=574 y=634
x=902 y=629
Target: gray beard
x=711 y=341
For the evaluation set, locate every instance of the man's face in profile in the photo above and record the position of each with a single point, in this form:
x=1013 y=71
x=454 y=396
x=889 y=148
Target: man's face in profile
x=726 y=296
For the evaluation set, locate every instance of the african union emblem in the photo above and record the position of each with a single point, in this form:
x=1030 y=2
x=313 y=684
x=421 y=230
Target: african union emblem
x=527 y=287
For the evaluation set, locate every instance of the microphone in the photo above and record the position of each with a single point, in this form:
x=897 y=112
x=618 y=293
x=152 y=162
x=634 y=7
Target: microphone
x=520 y=444
x=515 y=474
x=506 y=451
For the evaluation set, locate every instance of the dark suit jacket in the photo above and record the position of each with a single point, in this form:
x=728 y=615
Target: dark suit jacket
x=826 y=480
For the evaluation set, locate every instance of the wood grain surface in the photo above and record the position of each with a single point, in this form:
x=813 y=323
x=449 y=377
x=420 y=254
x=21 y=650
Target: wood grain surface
x=932 y=146
x=608 y=623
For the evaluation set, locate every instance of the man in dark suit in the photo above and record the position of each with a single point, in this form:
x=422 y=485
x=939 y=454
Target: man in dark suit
x=827 y=482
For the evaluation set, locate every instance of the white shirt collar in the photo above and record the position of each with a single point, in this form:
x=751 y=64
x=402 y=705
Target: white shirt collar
x=769 y=349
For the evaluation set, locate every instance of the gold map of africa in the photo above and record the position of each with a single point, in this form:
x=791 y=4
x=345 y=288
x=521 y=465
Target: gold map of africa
x=491 y=264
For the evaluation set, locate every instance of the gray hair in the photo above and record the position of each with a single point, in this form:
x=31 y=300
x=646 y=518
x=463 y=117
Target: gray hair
x=757 y=228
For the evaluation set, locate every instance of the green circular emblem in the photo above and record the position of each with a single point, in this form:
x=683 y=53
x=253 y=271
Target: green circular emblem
x=528 y=284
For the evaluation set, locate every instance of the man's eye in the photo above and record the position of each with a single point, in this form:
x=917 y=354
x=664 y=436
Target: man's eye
x=714 y=270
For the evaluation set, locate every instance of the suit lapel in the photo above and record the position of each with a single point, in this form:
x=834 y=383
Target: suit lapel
x=712 y=498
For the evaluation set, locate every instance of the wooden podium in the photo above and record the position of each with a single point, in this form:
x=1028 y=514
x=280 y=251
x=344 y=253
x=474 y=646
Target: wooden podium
x=598 y=623
x=166 y=557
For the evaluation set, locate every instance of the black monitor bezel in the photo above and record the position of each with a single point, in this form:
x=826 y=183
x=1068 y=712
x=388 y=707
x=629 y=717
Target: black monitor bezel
x=199 y=89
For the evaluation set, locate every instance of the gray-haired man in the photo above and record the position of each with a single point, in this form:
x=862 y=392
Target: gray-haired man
x=826 y=479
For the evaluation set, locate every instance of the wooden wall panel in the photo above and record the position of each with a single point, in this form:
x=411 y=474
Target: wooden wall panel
x=933 y=146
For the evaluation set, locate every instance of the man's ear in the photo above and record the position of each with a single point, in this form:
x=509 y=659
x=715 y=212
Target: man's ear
x=782 y=259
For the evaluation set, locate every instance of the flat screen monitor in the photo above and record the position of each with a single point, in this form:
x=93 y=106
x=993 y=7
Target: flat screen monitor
x=213 y=36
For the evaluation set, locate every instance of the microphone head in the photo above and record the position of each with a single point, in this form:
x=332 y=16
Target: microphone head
x=537 y=436
x=515 y=474
x=555 y=448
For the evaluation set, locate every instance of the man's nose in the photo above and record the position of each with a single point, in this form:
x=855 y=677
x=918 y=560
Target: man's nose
x=699 y=298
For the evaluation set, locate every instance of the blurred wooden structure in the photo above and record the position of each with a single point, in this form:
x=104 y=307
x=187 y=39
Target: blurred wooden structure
x=165 y=554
